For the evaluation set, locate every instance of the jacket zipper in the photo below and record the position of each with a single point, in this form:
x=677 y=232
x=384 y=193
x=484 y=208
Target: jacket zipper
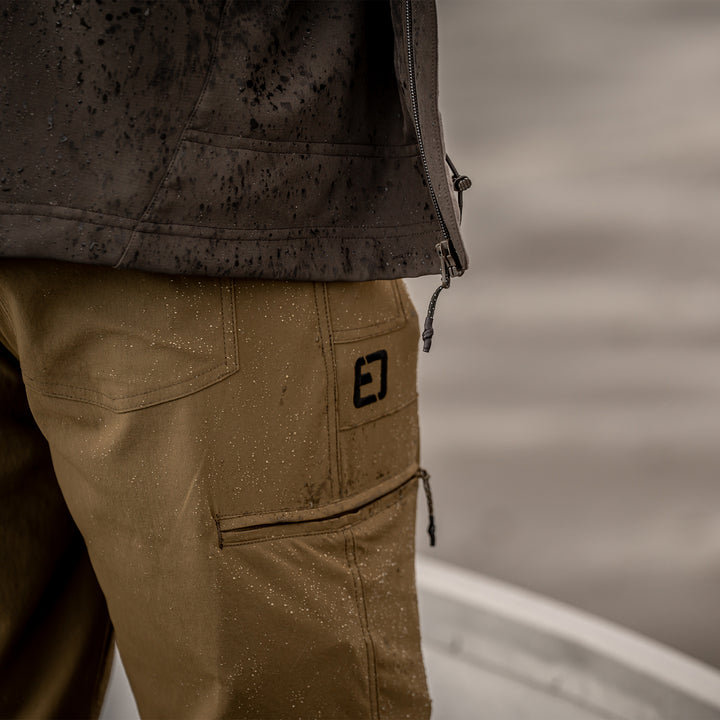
x=452 y=268
x=448 y=266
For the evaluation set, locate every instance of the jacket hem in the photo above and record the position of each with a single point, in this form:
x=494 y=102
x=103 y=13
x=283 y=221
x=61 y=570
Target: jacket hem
x=305 y=253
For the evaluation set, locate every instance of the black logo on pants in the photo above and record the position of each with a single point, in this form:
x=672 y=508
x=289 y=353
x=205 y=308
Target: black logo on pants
x=365 y=378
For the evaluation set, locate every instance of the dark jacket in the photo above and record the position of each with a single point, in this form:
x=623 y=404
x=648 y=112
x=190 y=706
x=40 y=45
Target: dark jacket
x=296 y=140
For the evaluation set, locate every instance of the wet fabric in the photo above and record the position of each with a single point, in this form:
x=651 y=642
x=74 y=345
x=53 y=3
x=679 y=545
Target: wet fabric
x=222 y=471
x=284 y=140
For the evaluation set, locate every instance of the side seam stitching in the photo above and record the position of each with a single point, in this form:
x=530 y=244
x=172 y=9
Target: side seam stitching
x=351 y=555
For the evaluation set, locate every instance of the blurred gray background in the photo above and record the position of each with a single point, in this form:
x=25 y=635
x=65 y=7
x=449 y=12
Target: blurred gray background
x=571 y=402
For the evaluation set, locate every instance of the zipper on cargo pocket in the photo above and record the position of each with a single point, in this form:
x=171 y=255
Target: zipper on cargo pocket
x=253 y=528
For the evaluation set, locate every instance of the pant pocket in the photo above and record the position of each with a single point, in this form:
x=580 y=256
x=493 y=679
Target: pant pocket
x=122 y=340
x=375 y=339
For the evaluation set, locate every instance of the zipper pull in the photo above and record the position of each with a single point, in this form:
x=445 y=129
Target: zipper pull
x=461 y=183
x=425 y=477
x=447 y=269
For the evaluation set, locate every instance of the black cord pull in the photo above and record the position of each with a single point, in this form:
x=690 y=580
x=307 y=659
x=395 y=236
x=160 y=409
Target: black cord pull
x=428 y=331
x=425 y=476
x=461 y=183
x=446 y=265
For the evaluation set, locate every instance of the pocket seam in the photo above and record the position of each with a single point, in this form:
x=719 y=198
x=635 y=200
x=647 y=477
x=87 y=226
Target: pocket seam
x=245 y=522
x=365 y=496
x=394 y=411
x=381 y=327
x=342 y=522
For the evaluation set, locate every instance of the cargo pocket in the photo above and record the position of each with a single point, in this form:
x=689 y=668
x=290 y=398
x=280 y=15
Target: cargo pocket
x=334 y=517
x=323 y=601
x=375 y=339
x=125 y=340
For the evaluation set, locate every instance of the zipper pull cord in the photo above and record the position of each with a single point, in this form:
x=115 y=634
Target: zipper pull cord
x=425 y=476
x=428 y=331
x=461 y=183
x=443 y=251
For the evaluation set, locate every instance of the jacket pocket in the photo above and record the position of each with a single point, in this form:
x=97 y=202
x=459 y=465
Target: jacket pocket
x=125 y=341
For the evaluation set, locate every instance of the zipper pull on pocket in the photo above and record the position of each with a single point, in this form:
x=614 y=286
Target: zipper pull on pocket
x=425 y=477
x=447 y=265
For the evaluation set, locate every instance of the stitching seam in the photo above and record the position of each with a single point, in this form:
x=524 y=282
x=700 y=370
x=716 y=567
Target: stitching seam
x=334 y=385
x=316 y=231
x=350 y=335
x=316 y=288
x=403 y=478
x=29 y=211
x=320 y=531
x=306 y=152
x=351 y=558
x=372 y=654
x=233 y=327
x=378 y=323
x=302 y=142
x=396 y=410
x=39 y=385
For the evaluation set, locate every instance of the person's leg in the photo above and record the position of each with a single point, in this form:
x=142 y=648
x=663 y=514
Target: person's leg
x=240 y=458
x=55 y=634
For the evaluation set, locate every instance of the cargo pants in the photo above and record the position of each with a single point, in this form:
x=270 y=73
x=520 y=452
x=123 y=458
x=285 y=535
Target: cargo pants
x=220 y=474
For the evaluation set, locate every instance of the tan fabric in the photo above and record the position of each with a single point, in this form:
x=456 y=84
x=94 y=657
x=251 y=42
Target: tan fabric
x=240 y=459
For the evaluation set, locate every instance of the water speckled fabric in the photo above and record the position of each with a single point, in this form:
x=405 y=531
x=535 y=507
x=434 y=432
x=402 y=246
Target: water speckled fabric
x=250 y=522
x=251 y=139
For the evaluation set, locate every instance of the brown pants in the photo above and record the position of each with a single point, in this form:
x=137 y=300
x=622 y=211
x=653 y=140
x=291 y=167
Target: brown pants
x=223 y=472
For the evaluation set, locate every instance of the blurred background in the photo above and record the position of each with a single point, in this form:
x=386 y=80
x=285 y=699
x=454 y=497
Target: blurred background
x=570 y=405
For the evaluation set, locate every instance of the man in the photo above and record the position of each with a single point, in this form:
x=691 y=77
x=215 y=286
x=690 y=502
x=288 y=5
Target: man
x=209 y=423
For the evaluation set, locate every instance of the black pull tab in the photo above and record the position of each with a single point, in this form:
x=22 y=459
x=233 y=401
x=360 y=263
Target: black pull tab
x=425 y=477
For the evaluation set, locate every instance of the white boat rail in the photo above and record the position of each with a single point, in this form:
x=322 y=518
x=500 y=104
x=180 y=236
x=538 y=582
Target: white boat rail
x=496 y=651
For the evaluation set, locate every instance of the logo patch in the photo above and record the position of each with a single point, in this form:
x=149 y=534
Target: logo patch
x=366 y=378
